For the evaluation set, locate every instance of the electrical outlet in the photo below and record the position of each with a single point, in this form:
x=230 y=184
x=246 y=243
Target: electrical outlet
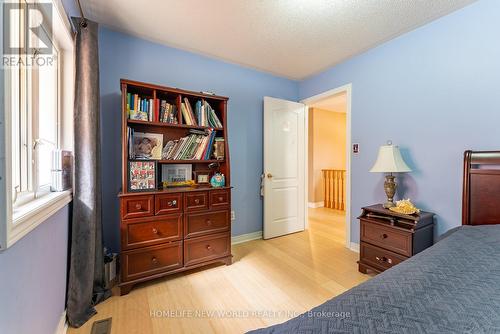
x=233 y=215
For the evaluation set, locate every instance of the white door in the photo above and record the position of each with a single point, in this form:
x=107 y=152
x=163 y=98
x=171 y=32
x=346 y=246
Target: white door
x=284 y=167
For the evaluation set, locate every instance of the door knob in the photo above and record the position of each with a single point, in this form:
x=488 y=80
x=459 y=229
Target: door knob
x=269 y=175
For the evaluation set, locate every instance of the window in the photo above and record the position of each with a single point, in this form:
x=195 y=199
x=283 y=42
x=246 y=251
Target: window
x=38 y=86
x=34 y=112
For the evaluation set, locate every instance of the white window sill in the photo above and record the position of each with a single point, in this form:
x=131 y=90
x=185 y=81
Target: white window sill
x=28 y=216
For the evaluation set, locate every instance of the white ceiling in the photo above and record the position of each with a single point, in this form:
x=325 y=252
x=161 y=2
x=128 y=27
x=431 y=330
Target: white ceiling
x=336 y=103
x=291 y=38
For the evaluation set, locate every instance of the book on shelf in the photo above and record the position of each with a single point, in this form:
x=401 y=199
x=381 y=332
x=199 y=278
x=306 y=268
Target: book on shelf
x=197 y=145
x=187 y=113
x=151 y=110
x=206 y=115
x=140 y=107
x=168 y=113
x=219 y=148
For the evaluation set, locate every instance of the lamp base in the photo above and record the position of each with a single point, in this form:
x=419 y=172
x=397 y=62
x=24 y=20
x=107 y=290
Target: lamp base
x=390 y=190
x=388 y=205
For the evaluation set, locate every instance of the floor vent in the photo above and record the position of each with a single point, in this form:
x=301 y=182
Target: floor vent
x=101 y=326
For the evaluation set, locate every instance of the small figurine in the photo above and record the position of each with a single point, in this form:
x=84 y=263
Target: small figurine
x=218 y=180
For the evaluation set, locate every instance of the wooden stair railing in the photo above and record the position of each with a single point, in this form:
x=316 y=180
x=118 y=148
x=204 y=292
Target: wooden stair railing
x=334 y=188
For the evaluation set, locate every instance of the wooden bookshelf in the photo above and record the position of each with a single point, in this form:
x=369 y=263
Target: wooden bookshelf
x=169 y=125
x=165 y=231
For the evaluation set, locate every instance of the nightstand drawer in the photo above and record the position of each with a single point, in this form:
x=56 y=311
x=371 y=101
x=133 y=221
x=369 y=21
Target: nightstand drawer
x=379 y=258
x=387 y=237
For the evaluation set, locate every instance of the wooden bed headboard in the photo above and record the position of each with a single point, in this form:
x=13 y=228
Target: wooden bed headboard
x=481 y=192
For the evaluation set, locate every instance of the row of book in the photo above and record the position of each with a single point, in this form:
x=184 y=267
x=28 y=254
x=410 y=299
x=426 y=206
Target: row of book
x=152 y=110
x=168 y=113
x=206 y=115
x=203 y=115
x=140 y=108
x=156 y=110
x=198 y=145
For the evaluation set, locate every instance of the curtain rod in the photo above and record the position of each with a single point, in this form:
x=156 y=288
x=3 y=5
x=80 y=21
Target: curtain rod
x=84 y=20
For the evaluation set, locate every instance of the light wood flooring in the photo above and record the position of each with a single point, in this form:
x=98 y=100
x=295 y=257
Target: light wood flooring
x=268 y=282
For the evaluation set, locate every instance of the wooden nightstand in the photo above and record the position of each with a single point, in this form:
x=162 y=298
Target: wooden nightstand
x=388 y=238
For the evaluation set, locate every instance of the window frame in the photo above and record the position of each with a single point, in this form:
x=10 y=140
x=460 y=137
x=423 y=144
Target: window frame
x=22 y=218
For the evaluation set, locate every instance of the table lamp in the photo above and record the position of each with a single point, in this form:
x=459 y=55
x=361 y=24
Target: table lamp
x=390 y=161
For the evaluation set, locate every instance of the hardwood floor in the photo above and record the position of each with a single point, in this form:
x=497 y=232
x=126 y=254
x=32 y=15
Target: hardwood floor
x=269 y=282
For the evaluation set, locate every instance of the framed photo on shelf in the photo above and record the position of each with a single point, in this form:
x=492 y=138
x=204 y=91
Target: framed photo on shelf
x=176 y=173
x=202 y=176
x=141 y=175
x=147 y=145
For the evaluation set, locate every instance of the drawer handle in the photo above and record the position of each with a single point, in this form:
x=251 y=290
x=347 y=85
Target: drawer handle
x=138 y=206
x=155 y=231
x=209 y=248
x=197 y=201
x=221 y=199
x=172 y=203
x=384 y=236
x=154 y=260
x=209 y=222
x=384 y=259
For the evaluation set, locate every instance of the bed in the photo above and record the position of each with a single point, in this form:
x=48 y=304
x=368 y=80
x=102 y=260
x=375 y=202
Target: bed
x=451 y=287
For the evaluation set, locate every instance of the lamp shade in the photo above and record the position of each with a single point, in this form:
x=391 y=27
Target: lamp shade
x=389 y=160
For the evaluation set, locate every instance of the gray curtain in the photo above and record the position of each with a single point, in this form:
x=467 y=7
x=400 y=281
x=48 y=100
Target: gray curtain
x=86 y=263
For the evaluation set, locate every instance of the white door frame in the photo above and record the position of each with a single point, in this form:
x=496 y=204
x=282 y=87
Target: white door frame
x=348 y=90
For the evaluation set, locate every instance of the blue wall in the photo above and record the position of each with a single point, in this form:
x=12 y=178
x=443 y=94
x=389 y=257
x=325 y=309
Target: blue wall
x=33 y=278
x=435 y=93
x=124 y=56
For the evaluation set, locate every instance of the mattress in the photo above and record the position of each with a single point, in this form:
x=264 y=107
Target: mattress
x=451 y=287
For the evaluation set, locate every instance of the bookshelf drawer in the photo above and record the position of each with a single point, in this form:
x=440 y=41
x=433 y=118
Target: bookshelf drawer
x=196 y=201
x=137 y=206
x=148 y=261
x=144 y=232
x=207 y=248
x=168 y=203
x=219 y=199
x=205 y=223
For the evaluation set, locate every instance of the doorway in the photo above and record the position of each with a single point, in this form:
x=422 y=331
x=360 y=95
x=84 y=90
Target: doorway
x=328 y=169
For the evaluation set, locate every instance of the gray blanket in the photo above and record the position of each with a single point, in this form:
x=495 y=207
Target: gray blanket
x=451 y=287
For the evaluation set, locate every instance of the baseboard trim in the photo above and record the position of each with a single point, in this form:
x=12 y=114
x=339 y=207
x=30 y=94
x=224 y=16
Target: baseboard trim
x=315 y=205
x=62 y=326
x=246 y=237
x=354 y=247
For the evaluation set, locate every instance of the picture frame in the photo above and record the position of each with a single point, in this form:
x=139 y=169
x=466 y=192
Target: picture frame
x=176 y=173
x=147 y=146
x=141 y=176
x=202 y=177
